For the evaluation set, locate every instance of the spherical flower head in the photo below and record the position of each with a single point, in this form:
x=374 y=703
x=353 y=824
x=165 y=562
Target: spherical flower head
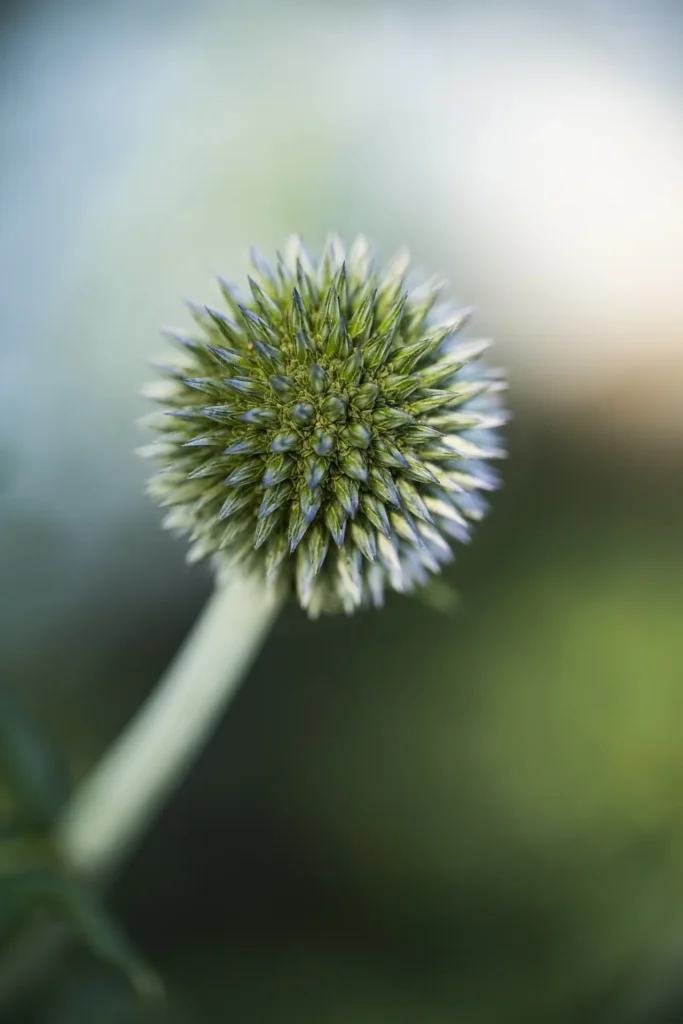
x=330 y=430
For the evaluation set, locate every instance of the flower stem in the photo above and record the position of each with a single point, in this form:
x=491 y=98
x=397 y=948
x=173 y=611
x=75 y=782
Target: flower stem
x=116 y=803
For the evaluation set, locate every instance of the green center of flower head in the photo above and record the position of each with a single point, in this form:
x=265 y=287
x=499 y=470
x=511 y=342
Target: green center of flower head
x=330 y=430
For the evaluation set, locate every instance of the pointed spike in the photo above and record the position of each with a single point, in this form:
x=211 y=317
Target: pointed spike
x=206 y=384
x=375 y=511
x=396 y=270
x=388 y=418
x=315 y=470
x=387 y=454
x=285 y=441
x=271 y=358
x=236 y=501
x=310 y=501
x=349 y=565
x=227 y=356
x=274 y=498
x=230 y=295
x=397 y=386
x=445 y=509
x=360 y=324
x=199 y=314
x=318 y=542
x=318 y=381
x=365 y=396
x=246 y=446
x=407 y=357
x=266 y=304
x=333 y=408
x=298 y=318
x=403 y=526
x=346 y=492
x=278 y=468
x=353 y=464
x=337 y=344
x=304 y=346
x=230 y=330
x=304 y=575
x=412 y=501
x=261 y=266
x=351 y=367
x=418 y=470
x=259 y=417
x=277 y=551
x=248 y=472
x=256 y=325
x=335 y=520
x=419 y=434
x=244 y=385
x=381 y=482
x=360 y=258
x=298 y=524
x=364 y=540
x=391 y=321
x=183 y=340
x=430 y=399
x=303 y=412
x=376 y=350
x=323 y=441
x=439 y=372
x=264 y=528
x=357 y=435
x=284 y=388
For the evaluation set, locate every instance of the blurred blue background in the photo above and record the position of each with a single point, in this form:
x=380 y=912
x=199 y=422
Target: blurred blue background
x=406 y=816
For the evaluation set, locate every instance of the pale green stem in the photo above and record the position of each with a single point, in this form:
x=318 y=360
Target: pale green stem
x=119 y=799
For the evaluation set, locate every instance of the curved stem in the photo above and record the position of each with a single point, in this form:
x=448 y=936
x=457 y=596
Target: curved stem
x=114 y=805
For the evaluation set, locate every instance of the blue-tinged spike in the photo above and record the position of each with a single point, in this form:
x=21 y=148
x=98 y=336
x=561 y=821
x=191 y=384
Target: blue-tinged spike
x=318 y=381
x=365 y=396
x=318 y=542
x=227 y=355
x=303 y=412
x=353 y=464
x=376 y=513
x=387 y=454
x=382 y=483
x=284 y=388
x=323 y=441
x=247 y=446
x=246 y=473
x=285 y=441
x=234 y=503
x=274 y=498
x=244 y=385
x=264 y=528
x=346 y=491
x=270 y=357
x=315 y=470
x=357 y=435
x=310 y=501
x=333 y=408
x=278 y=468
x=335 y=520
x=298 y=524
x=259 y=417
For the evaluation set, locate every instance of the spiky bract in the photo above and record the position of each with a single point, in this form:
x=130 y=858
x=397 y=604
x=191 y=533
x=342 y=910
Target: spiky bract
x=330 y=430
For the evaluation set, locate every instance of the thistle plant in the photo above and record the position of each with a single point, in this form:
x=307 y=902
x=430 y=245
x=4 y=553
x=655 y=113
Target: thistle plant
x=326 y=435
x=328 y=430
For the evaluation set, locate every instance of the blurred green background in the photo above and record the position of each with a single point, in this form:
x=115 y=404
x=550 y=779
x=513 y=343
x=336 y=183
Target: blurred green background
x=405 y=817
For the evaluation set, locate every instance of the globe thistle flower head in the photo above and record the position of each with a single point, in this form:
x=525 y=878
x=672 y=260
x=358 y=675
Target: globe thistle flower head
x=328 y=429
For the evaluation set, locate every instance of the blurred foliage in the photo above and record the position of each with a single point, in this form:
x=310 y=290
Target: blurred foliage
x=34 y=889
x=471 y=818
